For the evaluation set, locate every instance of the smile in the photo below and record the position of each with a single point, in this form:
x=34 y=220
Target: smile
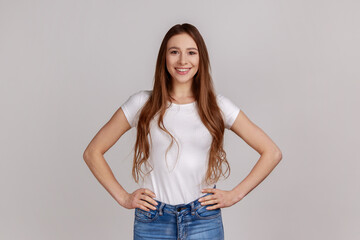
x=182 y=71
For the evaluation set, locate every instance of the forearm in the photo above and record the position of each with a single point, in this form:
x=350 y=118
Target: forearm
x=264 y=166
x=101 y=170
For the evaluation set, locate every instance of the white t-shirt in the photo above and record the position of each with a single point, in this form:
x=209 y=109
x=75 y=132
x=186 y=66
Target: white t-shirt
x=177 y=180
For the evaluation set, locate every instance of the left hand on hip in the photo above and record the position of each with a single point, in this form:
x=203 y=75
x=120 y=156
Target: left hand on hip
x=220 y=198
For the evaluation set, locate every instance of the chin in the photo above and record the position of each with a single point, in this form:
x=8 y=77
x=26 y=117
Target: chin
x=183 y=80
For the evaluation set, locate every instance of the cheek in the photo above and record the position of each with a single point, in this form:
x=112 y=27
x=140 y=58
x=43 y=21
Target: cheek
x=169 y=61
x=196 y=62
x=168 y=64
x=197 y=67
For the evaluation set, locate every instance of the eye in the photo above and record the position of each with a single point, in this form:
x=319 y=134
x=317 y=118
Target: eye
x=192 y=53
x=173 y=52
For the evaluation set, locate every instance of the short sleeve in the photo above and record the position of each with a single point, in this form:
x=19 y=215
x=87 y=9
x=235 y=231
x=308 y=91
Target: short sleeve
x=230 y=110
x=132 y=106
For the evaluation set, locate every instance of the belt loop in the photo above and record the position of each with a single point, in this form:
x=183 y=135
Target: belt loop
x=192 y=208
x=161 y=208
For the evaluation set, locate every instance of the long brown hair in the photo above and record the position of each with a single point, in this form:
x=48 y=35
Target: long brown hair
x=203 y=91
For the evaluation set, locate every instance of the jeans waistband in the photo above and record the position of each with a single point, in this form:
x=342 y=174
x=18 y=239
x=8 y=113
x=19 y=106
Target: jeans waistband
x=191 y=207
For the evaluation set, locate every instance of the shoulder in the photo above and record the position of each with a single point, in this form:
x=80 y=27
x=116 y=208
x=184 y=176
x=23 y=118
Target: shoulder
x=228 y=108
x=219 y=97
x=132 y=106
x=141 y=94
x=137 y=99
x=146 y=93
x=223 y=101
x=144 y=96
x=140 y=97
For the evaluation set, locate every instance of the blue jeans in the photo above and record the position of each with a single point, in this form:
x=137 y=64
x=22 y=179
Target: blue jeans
x=179 y=222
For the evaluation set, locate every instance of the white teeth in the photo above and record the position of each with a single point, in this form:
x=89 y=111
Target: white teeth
x=182 y=70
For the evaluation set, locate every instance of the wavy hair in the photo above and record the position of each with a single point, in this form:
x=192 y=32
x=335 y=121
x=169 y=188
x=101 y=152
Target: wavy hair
x=208 y=109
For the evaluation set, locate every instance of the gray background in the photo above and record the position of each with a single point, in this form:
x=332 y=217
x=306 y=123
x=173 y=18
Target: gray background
x=291 y=66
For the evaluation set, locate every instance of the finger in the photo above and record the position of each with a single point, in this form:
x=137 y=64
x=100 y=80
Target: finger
x=210 y=202
x=149 y=199
x=208 y=190
x=148 y=205
x=213 y=207
x=143 y=207
x=206 y=198
x=148 y=192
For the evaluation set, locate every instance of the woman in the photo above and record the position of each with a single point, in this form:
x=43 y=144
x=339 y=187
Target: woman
x=179 y=153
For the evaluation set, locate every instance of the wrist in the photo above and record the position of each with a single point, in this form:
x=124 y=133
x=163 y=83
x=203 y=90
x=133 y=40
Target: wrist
x=238 y=195
x=123 y=198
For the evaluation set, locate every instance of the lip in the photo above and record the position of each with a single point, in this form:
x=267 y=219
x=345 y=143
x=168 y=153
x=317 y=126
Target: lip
x=182 y=73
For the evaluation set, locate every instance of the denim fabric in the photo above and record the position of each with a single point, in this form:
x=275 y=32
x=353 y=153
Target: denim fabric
x=179 y=222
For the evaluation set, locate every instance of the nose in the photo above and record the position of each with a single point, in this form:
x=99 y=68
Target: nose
x=182 y=59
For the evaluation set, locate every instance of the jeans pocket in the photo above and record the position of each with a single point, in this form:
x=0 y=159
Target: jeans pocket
x=203 y=213
x=144 y=216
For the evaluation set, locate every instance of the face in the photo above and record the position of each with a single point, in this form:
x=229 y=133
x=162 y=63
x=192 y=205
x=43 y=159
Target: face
x=182 y=58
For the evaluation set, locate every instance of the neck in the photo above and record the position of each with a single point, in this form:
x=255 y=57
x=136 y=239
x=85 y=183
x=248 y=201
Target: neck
x=181 y=90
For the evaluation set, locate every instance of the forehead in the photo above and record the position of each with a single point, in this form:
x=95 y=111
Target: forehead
x=182 y=40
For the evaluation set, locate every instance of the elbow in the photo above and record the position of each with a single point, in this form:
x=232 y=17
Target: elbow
x=86 y=155
x=275 y=153
x=278 y=155
x=90 y=154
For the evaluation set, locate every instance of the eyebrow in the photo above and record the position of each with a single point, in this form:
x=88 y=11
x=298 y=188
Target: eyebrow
x=186 y=49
